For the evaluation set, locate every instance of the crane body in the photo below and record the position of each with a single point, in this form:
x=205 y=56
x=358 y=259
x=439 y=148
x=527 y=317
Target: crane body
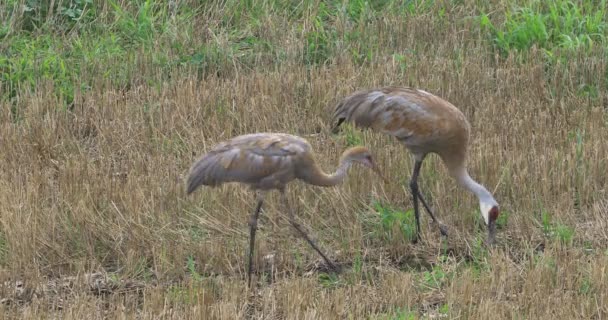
x=269 y=161
x=424 y=123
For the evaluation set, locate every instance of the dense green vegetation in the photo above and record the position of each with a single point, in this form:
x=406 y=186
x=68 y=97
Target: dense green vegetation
x=80 y=37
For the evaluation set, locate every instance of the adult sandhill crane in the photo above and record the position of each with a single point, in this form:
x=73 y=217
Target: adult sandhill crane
x=425 y=124
x=267 y=161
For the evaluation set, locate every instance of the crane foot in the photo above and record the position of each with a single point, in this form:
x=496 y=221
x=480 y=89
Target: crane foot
x=443 y=229
x=417 y=238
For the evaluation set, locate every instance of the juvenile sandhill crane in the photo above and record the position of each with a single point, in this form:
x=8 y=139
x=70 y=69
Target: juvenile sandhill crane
x=425 y=124
x=267 y=161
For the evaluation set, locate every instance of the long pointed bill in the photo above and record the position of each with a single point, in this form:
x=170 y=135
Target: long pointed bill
x=336 y=127
x=492 y=217
x=375 y=168
x=492 y=232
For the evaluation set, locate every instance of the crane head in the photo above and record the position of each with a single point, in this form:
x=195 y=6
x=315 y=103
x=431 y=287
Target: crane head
x=338 y=116
x=336 y=127
x=363 y=156
x=490 y=212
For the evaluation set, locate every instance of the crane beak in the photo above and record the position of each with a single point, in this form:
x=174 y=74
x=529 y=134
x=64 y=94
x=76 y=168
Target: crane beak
x=336 y=127
x=492 y=233
x=375 y=168
x=492 y=216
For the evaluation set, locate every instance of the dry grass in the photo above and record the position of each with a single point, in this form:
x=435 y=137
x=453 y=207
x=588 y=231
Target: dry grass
x=99 y=189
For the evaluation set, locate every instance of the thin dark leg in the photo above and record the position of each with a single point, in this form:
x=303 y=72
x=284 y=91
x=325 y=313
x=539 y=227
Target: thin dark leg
x=442 y=228
x=303 y=233
x=415 y=195
x=253 y=225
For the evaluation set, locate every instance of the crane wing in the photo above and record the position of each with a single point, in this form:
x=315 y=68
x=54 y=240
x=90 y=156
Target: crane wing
x=400 y=112
x=247 y=158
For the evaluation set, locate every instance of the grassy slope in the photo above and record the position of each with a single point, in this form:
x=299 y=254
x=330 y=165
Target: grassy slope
x=104 y=107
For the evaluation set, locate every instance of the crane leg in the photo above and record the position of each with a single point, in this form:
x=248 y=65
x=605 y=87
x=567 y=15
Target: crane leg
x=417 y=195
x=298 y=227
x=253 y=225
x=442 y=228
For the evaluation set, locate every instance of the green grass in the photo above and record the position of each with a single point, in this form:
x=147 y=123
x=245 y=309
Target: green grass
x=82 y=36
x=566 y=25
x=561 y=30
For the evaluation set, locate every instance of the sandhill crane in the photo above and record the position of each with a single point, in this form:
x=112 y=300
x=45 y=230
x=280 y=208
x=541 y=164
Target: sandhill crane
x=267 y=161
x=425 y=124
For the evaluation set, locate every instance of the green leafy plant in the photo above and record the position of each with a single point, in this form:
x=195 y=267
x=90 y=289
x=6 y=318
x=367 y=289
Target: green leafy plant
x=392 y=220
x=329 y=280
x=191 y=265
x=434 y=278
x=555 y=230
x=586 y=286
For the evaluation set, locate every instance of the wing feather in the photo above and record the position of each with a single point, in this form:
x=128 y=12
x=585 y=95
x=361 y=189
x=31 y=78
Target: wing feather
x=398 y=111
x=247 y=158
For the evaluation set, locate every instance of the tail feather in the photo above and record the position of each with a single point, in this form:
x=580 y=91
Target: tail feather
x=194 y=181
x=336 y=118
x=206 y=171
x=355 y=108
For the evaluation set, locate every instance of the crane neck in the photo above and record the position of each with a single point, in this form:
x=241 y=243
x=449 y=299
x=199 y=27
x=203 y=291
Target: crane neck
x=317 y=177
x=464 y=179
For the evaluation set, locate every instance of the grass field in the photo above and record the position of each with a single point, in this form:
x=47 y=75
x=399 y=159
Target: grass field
x=105 y=105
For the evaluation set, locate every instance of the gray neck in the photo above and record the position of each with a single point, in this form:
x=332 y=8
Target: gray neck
x=462 y=176
x=318 y=178
x=338 y=176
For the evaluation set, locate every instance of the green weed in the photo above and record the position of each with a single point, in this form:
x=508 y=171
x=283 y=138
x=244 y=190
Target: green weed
x=329 y=280
x=588 y=91
x=392 y=220
x=555 y=230
x=586 y=286
x=564 y=233
x=197 y=233
x=434 y=278
x=479 y=255
x=352 y=136
x=402 y=61
x=297 y=257
x=191 y=265
x=358 y=264
x=142 y=270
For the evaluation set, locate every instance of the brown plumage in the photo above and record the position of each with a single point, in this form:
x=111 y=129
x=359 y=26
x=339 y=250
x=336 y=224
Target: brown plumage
x=425 y=124
x=267 y=161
